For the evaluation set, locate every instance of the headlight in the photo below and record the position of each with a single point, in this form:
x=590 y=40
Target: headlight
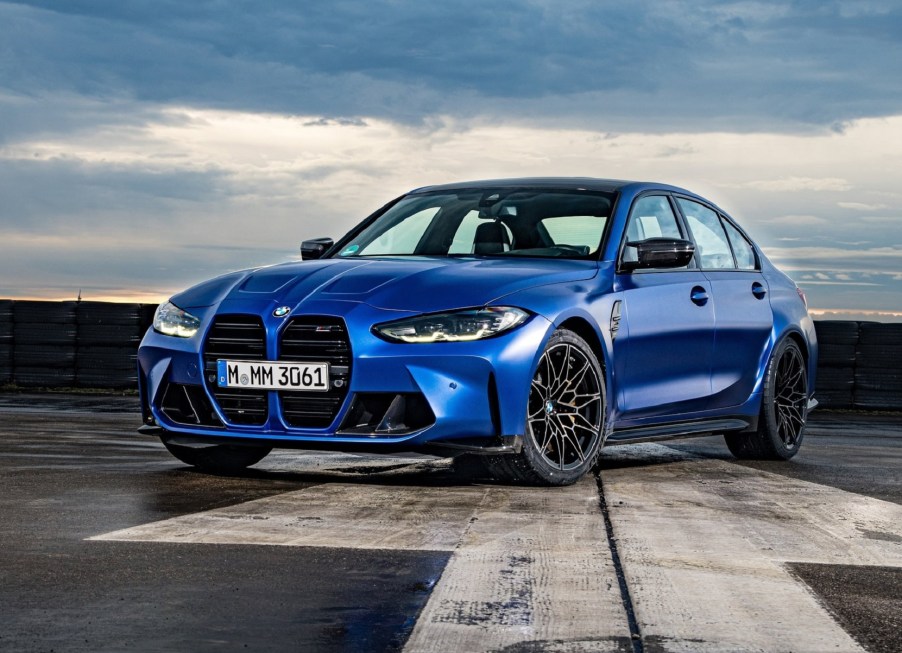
x=458 y=326
x=170 y=320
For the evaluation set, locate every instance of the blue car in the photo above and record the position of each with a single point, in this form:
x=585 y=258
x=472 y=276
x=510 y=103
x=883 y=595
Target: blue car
x=527 y=321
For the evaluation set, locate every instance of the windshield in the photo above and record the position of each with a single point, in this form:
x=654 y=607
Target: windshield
x=488 y=222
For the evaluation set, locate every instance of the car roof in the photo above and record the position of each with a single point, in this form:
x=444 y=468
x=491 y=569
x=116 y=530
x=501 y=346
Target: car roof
x=557 y=183
x=564 y=183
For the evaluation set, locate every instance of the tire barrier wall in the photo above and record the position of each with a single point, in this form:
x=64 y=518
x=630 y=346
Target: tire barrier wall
x=94 y=345
x=71 y=344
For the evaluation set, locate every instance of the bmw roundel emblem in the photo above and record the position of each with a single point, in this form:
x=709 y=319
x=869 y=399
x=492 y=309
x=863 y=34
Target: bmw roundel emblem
x=282 y=311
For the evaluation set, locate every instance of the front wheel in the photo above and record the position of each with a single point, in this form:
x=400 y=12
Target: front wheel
x=784 y=409
x=219 y=458
x=565 y=417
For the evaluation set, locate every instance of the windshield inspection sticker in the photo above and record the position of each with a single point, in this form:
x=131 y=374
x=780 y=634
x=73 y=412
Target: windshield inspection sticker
x=349 y=250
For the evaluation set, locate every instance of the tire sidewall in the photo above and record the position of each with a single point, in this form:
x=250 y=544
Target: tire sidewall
x=537 y=461
x=769 y=417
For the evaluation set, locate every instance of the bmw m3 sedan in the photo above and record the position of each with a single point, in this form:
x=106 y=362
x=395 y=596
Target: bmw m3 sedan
x=528 y=321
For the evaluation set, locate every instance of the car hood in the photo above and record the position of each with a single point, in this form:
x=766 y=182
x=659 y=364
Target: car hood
x=415 y=284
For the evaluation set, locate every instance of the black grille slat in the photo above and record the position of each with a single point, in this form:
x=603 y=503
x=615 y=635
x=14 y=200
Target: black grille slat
x=237 y=337
x=323 y=340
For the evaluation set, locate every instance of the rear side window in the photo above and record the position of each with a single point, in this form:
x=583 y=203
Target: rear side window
x=742 y=248
x=712 y=246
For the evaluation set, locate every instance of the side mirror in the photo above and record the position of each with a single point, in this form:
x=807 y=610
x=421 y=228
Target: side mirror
x=315 y=248
x=659 y=253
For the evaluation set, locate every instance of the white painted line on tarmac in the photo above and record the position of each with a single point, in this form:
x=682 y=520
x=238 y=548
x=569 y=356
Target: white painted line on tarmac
x=341 y=515
x=703 y=544
x=528 y=565
x=533 y=570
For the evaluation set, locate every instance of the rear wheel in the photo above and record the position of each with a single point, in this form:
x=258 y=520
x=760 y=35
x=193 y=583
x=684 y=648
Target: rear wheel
x=565 y=414
x=218 y=458
x=784 y=409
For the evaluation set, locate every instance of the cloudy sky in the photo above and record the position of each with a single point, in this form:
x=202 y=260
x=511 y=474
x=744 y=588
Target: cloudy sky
x=145 y=146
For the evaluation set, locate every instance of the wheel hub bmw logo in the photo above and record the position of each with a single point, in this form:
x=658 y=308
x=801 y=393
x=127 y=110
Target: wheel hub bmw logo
x=282 y=311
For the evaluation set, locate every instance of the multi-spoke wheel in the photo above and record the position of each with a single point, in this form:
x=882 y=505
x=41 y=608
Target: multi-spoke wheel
x=565 y=415
x=784 y=409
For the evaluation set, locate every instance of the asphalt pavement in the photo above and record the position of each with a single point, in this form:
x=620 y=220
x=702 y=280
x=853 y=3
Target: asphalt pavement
x=107 y=543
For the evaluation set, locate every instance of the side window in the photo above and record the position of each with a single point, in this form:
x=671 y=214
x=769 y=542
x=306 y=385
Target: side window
x=711 y=242
x=651 y=217
x=742 y=248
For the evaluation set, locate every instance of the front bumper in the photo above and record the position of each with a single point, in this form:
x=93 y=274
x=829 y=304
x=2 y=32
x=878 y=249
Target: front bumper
x=473 y=394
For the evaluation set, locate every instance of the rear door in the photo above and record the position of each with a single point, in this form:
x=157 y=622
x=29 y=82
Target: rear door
x=742 y=312
x=663 y=350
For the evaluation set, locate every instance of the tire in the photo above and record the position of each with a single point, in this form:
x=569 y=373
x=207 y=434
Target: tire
x=784 y=409
x=29 y=333
x=114 y=335
x=563 y=426
x=6 y=364
x=108 y=358
x=836 y=355
x=218 y=458
x=43 y=377
x=877 y=400
x=886 y=355
x=112 y=379
x=44 y=312
x=108 y=313
x=837 y=332
x=880 y=333
x=44 y=356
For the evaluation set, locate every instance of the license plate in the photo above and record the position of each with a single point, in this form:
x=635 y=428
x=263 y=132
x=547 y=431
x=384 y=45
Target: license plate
x=272 y=375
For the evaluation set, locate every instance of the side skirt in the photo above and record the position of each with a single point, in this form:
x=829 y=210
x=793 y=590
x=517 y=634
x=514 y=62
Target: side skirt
x=676 y=430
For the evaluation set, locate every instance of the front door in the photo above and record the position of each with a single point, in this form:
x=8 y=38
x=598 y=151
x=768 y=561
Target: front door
x=662 y=355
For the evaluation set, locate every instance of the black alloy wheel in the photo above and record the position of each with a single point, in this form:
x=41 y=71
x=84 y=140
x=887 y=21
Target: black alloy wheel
x=784 y=409
x=565 y=416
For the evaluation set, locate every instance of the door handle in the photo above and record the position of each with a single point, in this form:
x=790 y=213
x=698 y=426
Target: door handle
x=758 y=290
x=699 y=296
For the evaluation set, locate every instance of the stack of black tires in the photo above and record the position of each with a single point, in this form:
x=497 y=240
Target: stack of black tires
x=71 y=344
x=44 y=337
x=6 y=341
x=108 y=338
x=837 y=345
x=878 y=370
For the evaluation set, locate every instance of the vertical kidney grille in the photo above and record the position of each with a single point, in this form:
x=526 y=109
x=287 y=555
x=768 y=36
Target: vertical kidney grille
x=305 y=339
x=320 y=340
x=236 y=337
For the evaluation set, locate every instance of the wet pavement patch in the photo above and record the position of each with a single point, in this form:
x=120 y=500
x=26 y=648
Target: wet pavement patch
x=106 y=596
x=866 y=600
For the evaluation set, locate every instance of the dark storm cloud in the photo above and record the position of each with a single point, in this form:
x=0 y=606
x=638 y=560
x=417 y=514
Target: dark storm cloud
x=61 y=193
x=698 y=65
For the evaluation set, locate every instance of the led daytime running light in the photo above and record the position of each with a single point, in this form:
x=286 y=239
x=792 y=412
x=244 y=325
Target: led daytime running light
x=459 y=326
x=170 y=320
